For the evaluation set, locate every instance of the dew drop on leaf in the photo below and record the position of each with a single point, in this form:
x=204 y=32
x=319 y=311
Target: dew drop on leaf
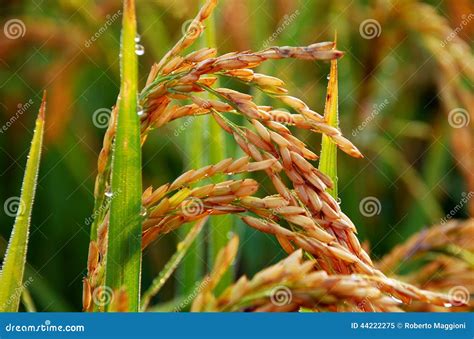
x=139 y=49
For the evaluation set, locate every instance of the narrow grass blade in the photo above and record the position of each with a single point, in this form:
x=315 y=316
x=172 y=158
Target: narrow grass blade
x=328 y=160
x=424 y=197
x=11 y=276
x=220 y=226
x=192 y=267
x=172 y=264
x=27 y=301
x=123 y=268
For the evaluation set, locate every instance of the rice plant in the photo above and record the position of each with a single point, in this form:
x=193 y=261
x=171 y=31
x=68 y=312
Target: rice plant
x=325 y=268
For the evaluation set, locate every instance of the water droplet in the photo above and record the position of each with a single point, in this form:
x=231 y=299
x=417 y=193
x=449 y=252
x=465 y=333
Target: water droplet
x=397 y=300
x=338 y=200
x=138 y=38
x=108 y=194
x=140 y=110
x=139 y=49
x=143 y=211
x=448 y=305
x=328 y=77
x=230 y=173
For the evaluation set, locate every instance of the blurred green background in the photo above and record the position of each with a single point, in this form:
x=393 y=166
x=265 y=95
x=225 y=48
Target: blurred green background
x=397 y=87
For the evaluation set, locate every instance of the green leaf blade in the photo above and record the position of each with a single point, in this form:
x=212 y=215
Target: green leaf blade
x=172 y=264
x=13 y=268
x=123 y=262
x=220 y=226
x=328 y=159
